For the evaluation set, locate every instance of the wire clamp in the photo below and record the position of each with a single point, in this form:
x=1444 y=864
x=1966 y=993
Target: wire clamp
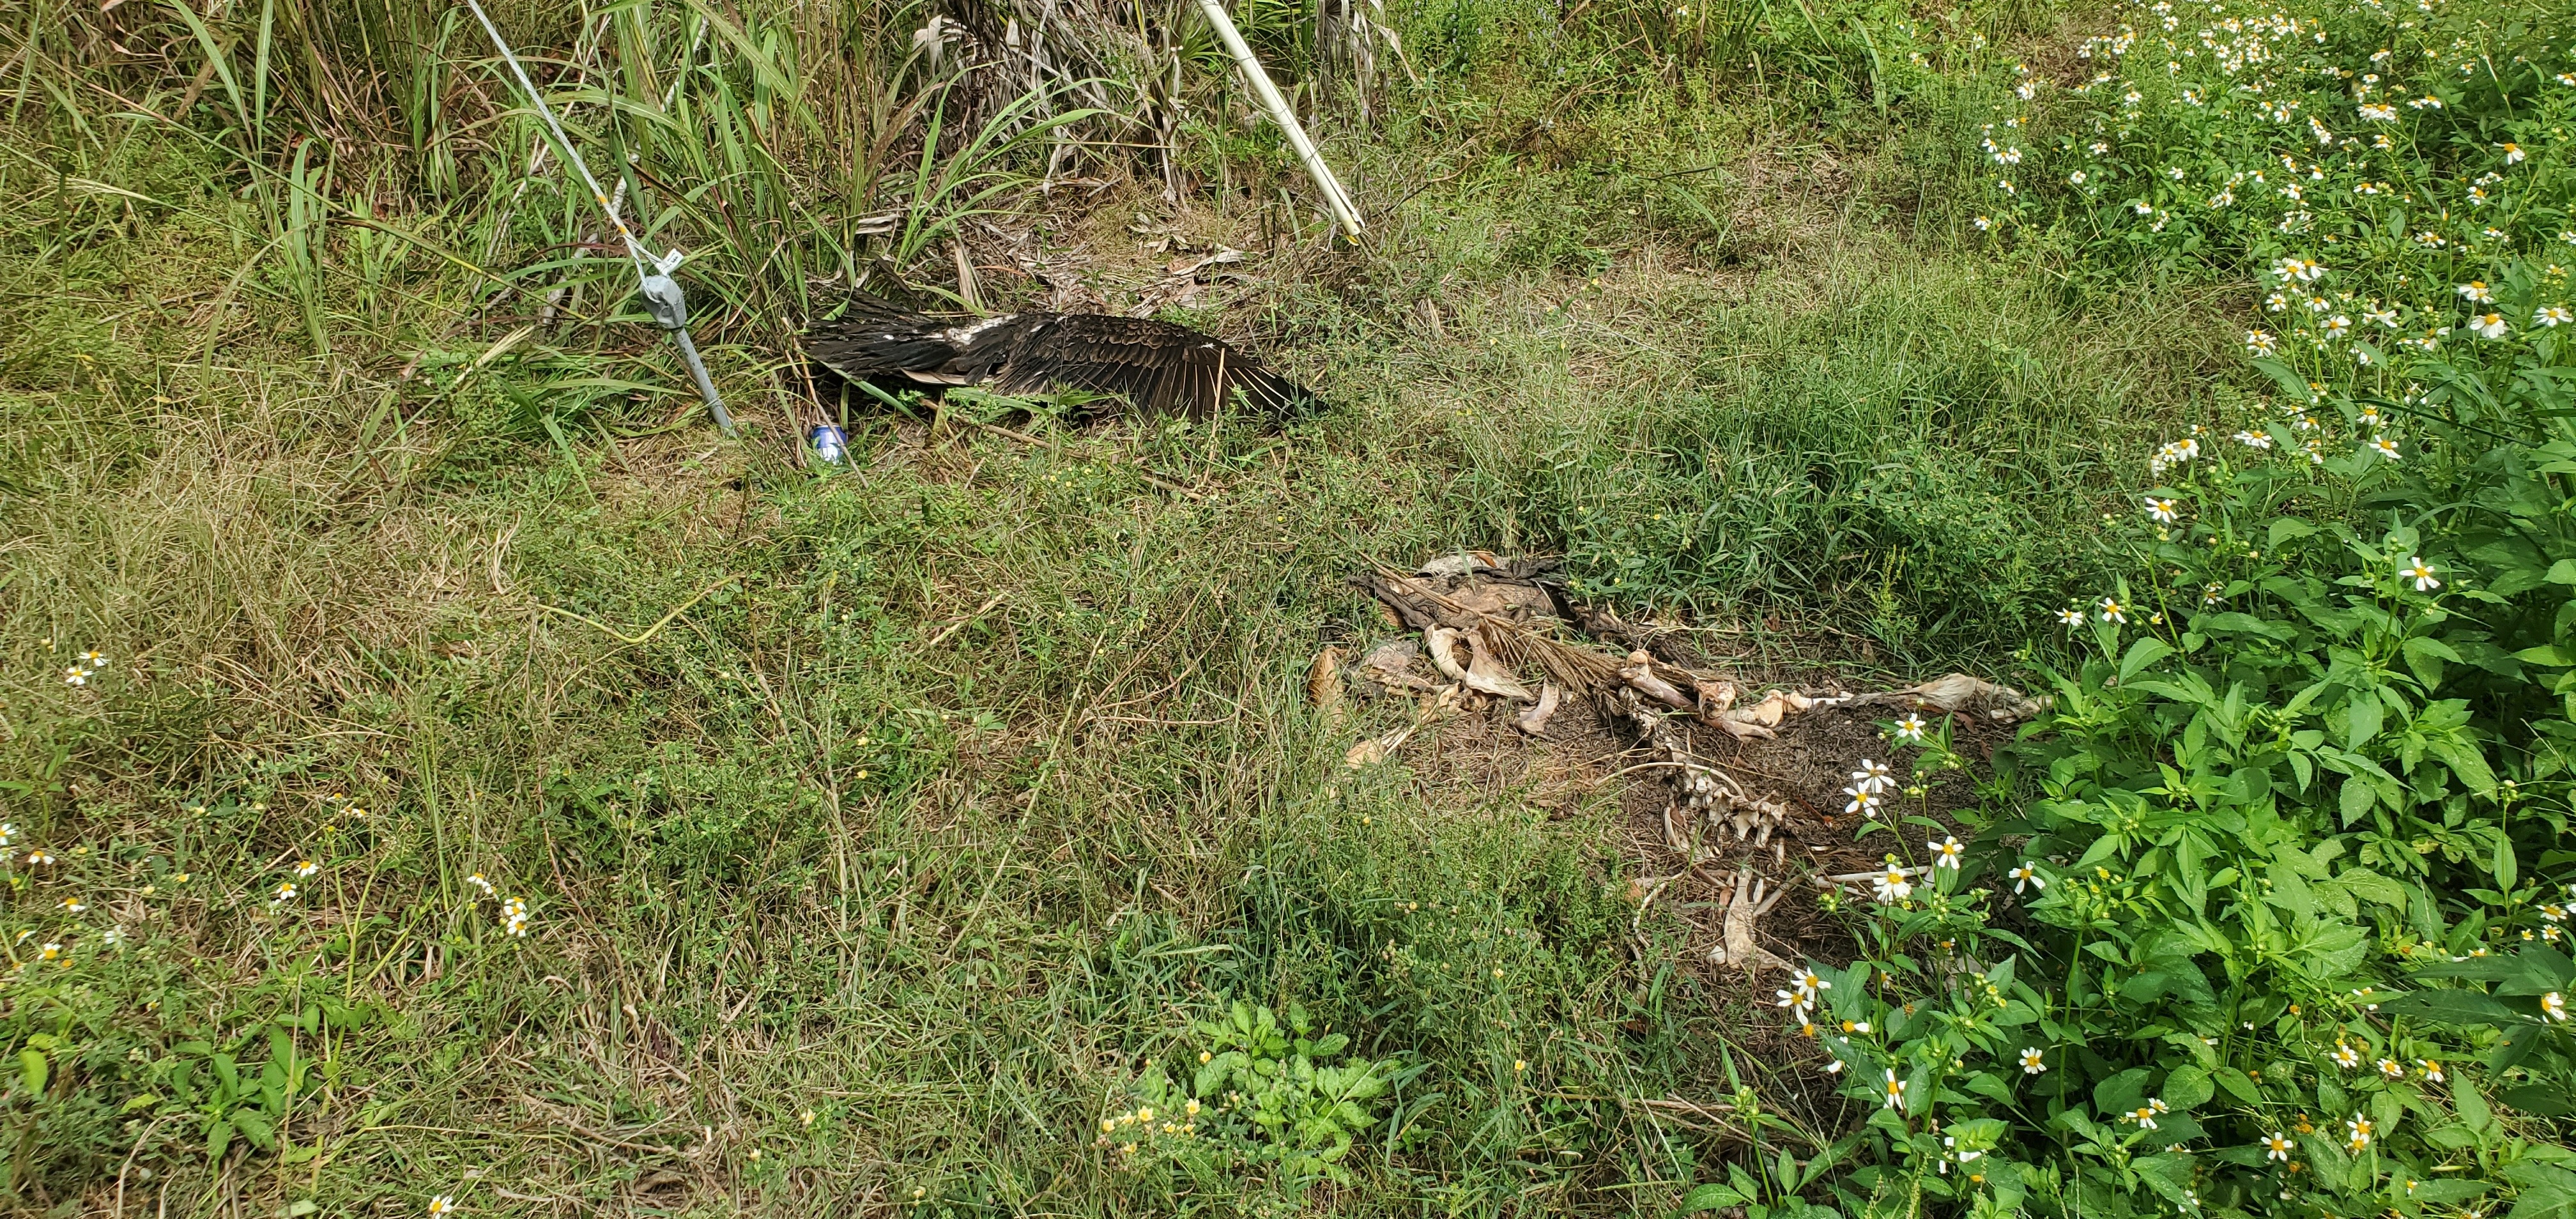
x=662 y=296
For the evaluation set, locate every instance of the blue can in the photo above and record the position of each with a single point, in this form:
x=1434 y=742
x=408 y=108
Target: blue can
x=830 y=444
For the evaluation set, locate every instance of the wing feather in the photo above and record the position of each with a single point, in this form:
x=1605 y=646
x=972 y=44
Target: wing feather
x=874 y=339
x=1159 y=367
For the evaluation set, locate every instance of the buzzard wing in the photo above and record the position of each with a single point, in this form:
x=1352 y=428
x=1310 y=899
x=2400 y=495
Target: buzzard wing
x=1160 y=367
x=873 y=339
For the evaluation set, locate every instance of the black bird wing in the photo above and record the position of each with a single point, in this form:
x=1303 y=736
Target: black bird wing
x=874 y=339
x=1162 y=368
x=1159 y=367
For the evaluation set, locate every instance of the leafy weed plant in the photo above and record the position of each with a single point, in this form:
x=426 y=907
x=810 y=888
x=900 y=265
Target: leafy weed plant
x=2265 y=915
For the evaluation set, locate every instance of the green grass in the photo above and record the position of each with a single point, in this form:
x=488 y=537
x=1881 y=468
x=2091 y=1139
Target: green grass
x=989 y=769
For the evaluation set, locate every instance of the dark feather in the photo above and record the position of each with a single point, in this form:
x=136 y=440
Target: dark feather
x=1158 y=367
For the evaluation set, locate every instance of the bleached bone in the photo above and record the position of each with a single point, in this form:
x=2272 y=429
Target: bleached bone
x=1702 y=795
x=1746 y=901
x=1640 y=673
x=1441 y=642
x=1534 y=720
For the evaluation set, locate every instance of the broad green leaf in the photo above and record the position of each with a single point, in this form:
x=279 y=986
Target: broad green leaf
x=2168 y=1173
x=2121 y=1093
x=2466 y=762
x=2470 y=1103
x=2444 y=1192
x=2543 y=1100
x=2538 y=969
x=2364 y=716
x=2329 y=950
x=2246 y=624
x=2290 y=890
x=2238 y=1085
x=2145 y=651
x=2452 y=1007
x=2425 y=658
x=2188 y=1087
x=2287 y=378
x=1711 y=1197
x=2371 y=886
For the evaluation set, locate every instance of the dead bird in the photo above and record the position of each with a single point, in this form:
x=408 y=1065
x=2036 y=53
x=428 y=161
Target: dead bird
x=1159 y=368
